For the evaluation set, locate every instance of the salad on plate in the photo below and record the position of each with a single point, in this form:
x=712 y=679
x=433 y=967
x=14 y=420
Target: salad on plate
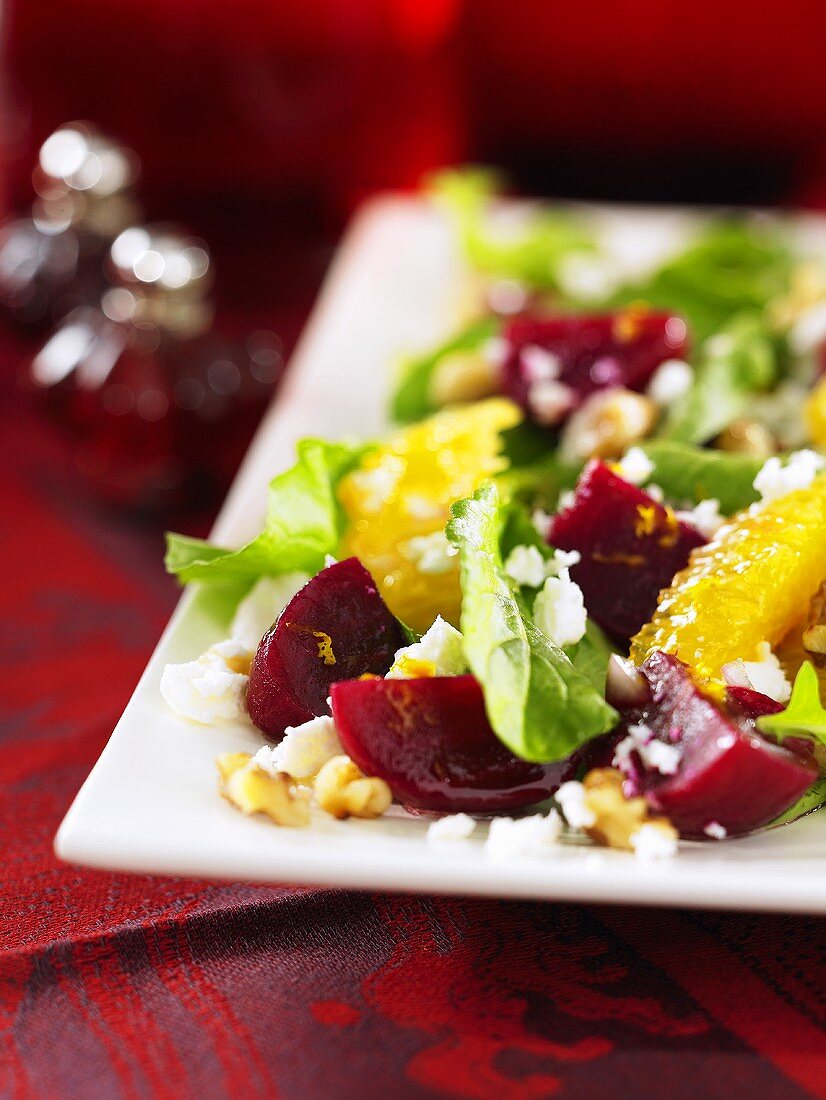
x=579 y=591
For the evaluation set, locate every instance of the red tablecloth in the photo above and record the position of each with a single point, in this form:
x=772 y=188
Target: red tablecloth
x=122 y=986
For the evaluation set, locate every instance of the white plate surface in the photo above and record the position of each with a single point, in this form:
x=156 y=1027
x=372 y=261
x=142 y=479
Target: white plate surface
x=390 y=289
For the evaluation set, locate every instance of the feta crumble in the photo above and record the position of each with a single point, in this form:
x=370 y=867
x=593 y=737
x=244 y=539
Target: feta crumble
x=635 y=466
x=655 y=754
x=522 y=836
x=431 y=554
x=452 y=827
x=588 y=277
x=440 y=651
x=559 y=609
x=540 y=365
x=715 y=830
x=652 y=842
x=572 y=800
x=670 y=381
x=542 y=522
x=550 y=401
x=257 y=612
x=765 y=675
x=304 y=750
x=526 y=565
x=705 y=517
x=774 y=480
x=213 y=688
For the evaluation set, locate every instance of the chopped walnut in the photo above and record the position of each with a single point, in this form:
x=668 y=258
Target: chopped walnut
x=618 y=818
x=607 y=424
x=344 y=791
x=748 y=437
x=462 y=376
x=252 y=790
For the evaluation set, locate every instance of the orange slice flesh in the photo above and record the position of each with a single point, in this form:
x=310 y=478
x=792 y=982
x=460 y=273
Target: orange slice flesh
x=751 y=583
x=404 y=489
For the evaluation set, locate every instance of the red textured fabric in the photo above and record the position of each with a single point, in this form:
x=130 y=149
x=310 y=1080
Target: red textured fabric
x=126 y=986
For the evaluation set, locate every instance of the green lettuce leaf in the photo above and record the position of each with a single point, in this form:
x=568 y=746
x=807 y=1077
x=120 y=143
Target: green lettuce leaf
x=812 y=800
x=531 y=254
x=804 y=716
x=411 y=400
x=734 y=267
x=688 y=473
x=303 y=524
x=538 y=703
x=737 y=362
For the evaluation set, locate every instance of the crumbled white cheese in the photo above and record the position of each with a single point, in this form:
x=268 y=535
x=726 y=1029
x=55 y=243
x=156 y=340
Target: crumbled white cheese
x=526 y=565
x=452 y=827
x=635 y=466
x=670 y=381
x=652 y=842
x=571 y=799
x=765 y=675
x=654 y=754
x=261 y=607
x=550 y=401
x=705 y=517
x=539 y=365
x=329 y=560
x=656 y=492
x=522 y=836
x=431 y=554
x=727 y=741
x=559 y=610
x=809 y=329
x=210 y=689
x=719 y=345
x=507 y=296
x=421 y=507
x=775 y=480
x=440 y=648
x=566 y=500
x=303 y=751
x=542 y=521
x=495 y=351
x=377 y=484
x=715 y=830
x=587 y=277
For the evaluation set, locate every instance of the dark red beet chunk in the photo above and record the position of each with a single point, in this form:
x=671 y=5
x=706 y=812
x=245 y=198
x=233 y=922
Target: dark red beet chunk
x=431 y=741
x=336 y=628
x=750 y=704
x=727 y=773
x=631 y=547
x=594 y=351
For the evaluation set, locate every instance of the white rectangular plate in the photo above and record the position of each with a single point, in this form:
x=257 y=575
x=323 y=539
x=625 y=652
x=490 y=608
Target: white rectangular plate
x=150 y=804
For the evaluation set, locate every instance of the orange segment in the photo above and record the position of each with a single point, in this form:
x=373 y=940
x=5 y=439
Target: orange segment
x=815 y=415
x=751 y=583
x=404 y=489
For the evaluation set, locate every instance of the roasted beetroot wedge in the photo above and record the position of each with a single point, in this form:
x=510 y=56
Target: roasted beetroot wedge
x=727 y=774
x=337 y=627
x=585 y=353
x=630 y=545
x=430 y=740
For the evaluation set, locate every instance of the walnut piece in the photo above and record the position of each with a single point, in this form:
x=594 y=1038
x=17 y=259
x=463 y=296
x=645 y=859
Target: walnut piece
x=814 y=636
x=462 y=376
x=618 y=818
x=607 y=424
x=252 y=790
x=344 y=791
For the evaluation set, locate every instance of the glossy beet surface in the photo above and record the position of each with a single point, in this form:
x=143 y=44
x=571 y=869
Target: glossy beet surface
x=336 y=628
x=431 y=741
x=728 y=773
x=594 y=351
x=631 y=547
